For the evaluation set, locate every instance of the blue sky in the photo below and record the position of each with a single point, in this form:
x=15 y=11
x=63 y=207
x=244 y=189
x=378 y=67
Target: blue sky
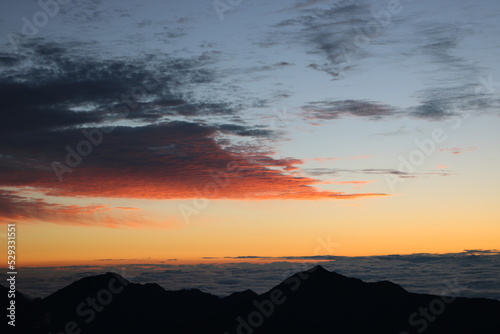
x=316 y=101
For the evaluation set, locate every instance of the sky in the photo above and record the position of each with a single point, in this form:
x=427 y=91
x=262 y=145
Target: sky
x=195 y=131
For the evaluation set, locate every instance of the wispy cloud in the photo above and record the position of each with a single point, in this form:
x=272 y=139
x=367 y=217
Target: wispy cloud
x=458 y=150
x=328 y=33
x=316 y=172
x=15 y=206
x=337 y=109
x=357 y=184
x=450 y=90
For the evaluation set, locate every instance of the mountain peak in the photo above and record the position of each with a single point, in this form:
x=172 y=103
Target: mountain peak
x=319 y=269
x=89 y=284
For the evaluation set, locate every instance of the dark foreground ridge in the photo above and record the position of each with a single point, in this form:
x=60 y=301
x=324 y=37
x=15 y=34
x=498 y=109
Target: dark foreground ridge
x=309 y=302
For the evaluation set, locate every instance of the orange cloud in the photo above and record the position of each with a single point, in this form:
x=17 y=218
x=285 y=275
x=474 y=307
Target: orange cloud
x=16 y=208
x=131 y=163
x=353 y=182
x=177 y=160
x=359 y=184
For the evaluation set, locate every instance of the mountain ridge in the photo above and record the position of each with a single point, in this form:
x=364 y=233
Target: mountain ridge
x=311 y=301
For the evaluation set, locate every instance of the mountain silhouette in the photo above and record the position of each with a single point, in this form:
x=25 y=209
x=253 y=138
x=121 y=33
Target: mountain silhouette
x=312 y=301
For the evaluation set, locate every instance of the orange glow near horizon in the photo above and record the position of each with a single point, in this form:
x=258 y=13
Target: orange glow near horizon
x=406 y=224
x=354 y=231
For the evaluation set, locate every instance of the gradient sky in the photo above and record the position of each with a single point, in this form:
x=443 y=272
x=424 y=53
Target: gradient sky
x=237 y=128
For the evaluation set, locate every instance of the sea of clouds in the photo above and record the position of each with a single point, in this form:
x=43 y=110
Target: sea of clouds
x=477 y=273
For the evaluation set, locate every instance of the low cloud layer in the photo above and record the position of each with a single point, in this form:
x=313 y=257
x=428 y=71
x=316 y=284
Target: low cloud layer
x=476 y=272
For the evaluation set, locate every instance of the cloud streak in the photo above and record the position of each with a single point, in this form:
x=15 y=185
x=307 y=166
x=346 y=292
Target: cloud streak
x=317 y=172
x=329 y=33
x=338 y=109
x=16 y=207
x=458 y=150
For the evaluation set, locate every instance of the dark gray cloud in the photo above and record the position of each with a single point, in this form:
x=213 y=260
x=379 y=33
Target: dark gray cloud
x=455 y=85
x=339 y=33
x=325 y=110
x=7 y=59
x=336 y=34
x=315 y=172
x=482 y=251
x=315 y=257
x=52 y=87
x=244 y=130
